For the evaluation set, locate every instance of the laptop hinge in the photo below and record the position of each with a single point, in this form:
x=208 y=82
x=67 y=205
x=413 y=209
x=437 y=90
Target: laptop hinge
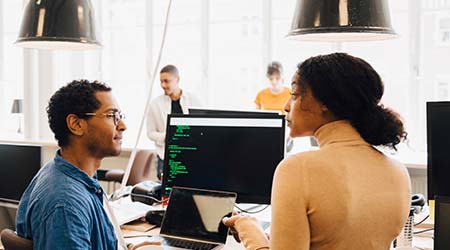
x=192 y=239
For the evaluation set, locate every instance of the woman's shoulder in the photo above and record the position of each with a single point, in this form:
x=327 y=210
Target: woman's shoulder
x=300 y=160
x=264 y=91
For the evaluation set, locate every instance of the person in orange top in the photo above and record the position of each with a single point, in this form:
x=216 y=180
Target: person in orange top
x=276 y=95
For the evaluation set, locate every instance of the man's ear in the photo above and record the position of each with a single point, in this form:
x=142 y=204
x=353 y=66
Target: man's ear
x=75 y=124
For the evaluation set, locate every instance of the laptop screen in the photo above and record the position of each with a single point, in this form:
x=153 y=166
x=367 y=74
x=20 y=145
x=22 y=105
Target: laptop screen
x=442 y=223
x=197 y=214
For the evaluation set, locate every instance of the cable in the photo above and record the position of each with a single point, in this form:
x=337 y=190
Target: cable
x=147 y=197
x=423 y=231
x=424 y=219
x=251 y=212
x=155 y=71
x=138 y=235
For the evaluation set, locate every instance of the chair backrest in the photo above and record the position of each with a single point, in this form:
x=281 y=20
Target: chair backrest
x=11 y=241
x=142 y=164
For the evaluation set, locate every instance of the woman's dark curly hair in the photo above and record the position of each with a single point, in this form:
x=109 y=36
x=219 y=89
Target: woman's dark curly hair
x=77 y=97
x=351 y=89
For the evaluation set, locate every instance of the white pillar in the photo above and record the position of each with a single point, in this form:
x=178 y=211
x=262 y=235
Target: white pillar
x=46 y=80
x=205 y=50
x=31 y=111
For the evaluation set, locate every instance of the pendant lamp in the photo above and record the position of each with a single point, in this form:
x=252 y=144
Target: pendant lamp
x=341 y=21
x=58 y=24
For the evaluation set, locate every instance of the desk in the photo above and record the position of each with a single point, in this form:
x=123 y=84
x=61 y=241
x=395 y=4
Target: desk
x=422 y=242
x=230 y=245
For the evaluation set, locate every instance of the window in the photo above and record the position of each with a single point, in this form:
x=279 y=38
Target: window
x=11 y=60
x=443 y=31
x=222 y=52
x=442 y=89
x=236 y=66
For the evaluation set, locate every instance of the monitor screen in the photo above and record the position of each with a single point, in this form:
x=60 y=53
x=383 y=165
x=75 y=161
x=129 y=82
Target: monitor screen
x=438 y=146
x=18 y=165
x=237 y=154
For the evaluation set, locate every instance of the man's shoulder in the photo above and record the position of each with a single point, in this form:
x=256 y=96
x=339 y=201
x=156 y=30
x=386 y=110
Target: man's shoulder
x=191 y=98
x=52 y=188
x=159 y=98
x=159 y=102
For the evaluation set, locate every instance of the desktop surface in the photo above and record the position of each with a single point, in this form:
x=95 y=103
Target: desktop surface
x=421 y=241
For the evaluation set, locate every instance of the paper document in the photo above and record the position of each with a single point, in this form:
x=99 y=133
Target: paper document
x=126 y=210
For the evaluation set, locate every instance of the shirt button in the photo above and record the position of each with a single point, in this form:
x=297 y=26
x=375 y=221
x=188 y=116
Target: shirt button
x=99 y=191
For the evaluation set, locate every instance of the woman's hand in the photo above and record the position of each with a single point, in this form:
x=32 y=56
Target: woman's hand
x=144 y=243
x=248 y=230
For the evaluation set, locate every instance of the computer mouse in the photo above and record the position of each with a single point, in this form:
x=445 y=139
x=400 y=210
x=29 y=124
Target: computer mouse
x=155 y=217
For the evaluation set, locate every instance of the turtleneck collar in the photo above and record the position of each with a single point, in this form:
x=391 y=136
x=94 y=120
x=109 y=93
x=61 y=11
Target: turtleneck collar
x=338 y=131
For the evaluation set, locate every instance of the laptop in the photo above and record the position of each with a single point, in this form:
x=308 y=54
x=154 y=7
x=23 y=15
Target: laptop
x=193 y=219
x=442 y=223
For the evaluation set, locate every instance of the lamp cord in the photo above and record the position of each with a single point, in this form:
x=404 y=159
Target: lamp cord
x=147 y=105
x=423 y=231
x=147 y=197
x=424 y=219
x=249 y=210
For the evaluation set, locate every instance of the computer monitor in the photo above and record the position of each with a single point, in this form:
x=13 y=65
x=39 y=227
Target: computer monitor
x=18 y=165
x=442 y=223
x=236 y=154
x=438 y=146
x=248 y=113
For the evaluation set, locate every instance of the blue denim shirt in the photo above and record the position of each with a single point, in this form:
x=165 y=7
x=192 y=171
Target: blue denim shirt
x=62 y=208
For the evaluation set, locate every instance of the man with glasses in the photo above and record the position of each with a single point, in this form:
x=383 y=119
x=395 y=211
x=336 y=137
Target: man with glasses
x=63 y=207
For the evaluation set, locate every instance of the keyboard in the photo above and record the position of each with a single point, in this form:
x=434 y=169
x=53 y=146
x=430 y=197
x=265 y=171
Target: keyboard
x=188 y=244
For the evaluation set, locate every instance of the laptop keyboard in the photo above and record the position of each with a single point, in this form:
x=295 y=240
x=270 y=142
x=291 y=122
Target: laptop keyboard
x=195 y=245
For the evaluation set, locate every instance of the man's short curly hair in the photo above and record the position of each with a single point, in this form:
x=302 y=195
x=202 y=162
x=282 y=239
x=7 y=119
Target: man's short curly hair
x=77 y=97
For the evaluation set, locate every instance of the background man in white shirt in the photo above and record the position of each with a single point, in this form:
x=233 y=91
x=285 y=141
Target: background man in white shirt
x=174 y=101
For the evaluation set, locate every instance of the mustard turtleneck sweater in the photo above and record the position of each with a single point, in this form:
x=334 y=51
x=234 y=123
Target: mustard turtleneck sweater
x=345 y=196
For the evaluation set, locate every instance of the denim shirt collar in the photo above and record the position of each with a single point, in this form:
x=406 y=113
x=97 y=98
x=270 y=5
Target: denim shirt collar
x=77 y=174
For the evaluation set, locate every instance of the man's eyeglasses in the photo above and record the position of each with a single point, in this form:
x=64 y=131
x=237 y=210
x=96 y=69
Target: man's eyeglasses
x=116 y=116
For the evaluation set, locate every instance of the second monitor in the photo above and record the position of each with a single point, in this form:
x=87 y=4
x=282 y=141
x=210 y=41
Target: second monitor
x=222 y=152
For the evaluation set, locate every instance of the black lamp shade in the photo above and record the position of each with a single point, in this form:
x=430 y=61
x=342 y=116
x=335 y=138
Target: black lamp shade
x=341 y=20
x=17 y=106
x=58 y=24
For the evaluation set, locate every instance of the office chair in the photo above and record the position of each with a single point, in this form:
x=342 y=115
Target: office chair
x=11 y=241
x=140 y=170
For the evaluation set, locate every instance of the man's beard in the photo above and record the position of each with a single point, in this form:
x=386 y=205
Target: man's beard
x=98 y=150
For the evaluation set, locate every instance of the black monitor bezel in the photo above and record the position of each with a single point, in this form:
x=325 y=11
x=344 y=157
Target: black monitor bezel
x=431 y=190
x=240 y=198
x=39 y=148
x=438 y=200
x=255 y=113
